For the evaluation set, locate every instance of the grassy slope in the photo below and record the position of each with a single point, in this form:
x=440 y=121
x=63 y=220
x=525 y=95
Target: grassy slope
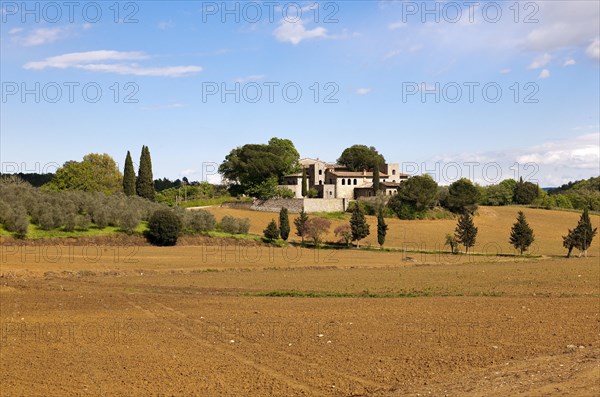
x=494 y=225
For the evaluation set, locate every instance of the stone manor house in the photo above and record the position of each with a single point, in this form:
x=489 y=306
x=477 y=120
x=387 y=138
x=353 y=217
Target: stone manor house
x=333 y=181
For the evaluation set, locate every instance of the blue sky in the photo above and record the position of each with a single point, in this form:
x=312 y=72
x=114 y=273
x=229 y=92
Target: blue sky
x=381 y=73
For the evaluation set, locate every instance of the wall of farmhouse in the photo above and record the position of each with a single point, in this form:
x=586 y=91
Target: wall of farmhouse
x=275 y=205
x=295 y=205
x=296 y=189
x=325 y=205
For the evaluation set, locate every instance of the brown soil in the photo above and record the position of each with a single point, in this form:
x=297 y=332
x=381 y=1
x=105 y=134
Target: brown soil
x=186 y=322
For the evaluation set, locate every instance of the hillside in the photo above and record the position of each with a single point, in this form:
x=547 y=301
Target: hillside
x=494 y=225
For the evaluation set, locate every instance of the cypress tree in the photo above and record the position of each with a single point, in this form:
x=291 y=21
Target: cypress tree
x=381 y=229
x=466 y=232
x=300 y=222
x=129 y=176
x=376 y=179
x=521 y=235
x=581 y=237
x=304 y=183
x=145 y=181
x=358 y=224
x=272 y=231
x=284 y=224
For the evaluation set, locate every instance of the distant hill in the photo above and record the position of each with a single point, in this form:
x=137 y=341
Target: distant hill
x=592 y=184
x=34 y=179
x=580 y=194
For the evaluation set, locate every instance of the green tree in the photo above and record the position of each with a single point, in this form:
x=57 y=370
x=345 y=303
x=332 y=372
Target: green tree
x=250 y=165
x=500 y=194
x=16 y=221
x=361 y=157
x=525 y=192
x=164 y=227
x=268 y=189
x=382 y=228
x=419 y=191
x=376 y=179
x=300 y=222
x=316 y=228
x=466 y=232
x=304 y=183
x=200 y=221
x=452 y=243
x=145 y=182
x=129 y=176
x=284 y=224
x=96 y=173
x=462 y=197
x=359 y=225
x=271 y=233
x=582 y=236
x=521 y=235
x=345 y=232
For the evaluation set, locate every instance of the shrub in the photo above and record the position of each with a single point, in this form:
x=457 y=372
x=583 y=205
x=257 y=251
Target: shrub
x=164 y=227
x=17 y=221
x=272 y=231
x=200 y=221
x=232 y=225
x=316 y=228
x=244 y=226
x=70 y=222
x=101 y=218
x=345 y=233
x=402 y=209
x=83 y=222
x=128 y=221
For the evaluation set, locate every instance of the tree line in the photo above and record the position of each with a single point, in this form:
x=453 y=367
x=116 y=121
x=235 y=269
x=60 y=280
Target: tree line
x=521 y=234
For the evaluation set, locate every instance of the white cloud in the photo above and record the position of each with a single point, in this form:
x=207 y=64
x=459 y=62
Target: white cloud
x=397 y=25
x=392 y=53
x=95 y=61
x=581 y=152
x=295 y=32
x=75 y=58
x=544 y=74
x=164 y=25
x=363 y=91
x=569 y=62
x=40 y=36
x=251 y=78
x=540 y=61
x=593 y=50
x=563 y=24
x=505 y=71
x=551 y=163
x=15 y=30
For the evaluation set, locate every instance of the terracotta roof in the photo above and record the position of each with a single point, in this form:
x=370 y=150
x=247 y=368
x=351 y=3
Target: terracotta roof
x=356 y=174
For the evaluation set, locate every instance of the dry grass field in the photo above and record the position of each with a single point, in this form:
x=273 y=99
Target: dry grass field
x=251 y=320
x=494 y=225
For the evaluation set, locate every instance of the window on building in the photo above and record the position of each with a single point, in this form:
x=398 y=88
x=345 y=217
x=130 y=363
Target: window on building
x=331 y=193
x=393 y=172
x=320 y=182
x=343 y=181
x=356 y=182
x=321 y=172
